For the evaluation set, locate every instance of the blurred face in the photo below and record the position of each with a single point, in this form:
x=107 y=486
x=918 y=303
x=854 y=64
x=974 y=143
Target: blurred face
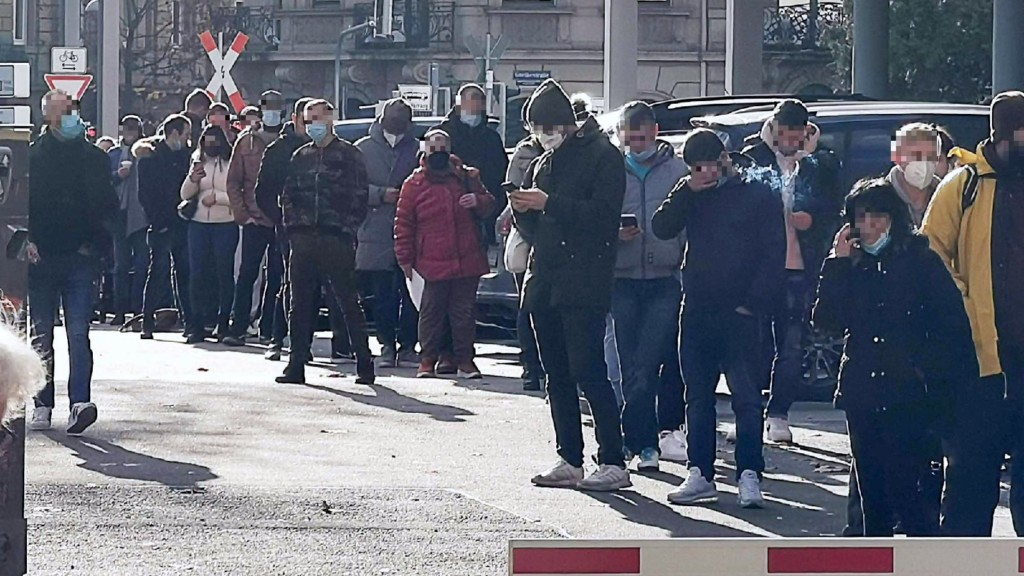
x=251 y=121
x=916 y=148
x=217 y=118
x=105 y=145
x=436 y=143
x=638 y=138
x=130 y=133
x=319 y=115
x=396 y=120
x=790 y=139
x=472 y=102
x=210 y=145
x=58 y=106
x=870 y=226
x=704 y=174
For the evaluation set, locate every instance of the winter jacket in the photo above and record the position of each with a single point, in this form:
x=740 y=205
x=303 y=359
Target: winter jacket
x=735 y=243
x=479 y=147
x=215 y=184
x=816 y=192
x=576 y=237
x=433 y=234
x=161 y=173
x=963 y=240
x=325 y=190
x=647 y=257
x=274 y=171
x=71 y=202
x=246 y=157
x=907 y=335
x=132 y=217
x=386 y=167
x=525 y=153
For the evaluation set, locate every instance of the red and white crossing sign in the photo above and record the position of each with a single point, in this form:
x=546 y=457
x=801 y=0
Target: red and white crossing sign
x=73 y=84
x=222 y=64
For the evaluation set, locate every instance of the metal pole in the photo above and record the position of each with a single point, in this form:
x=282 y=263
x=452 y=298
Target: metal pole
x=1007 y=46
x=72 y=23
x=220 y=49
x=871 y=47
x=435 y=85
x=337 y=55
x=488 y=76
x=811 y=40
x=620 y=52
x=108 y=88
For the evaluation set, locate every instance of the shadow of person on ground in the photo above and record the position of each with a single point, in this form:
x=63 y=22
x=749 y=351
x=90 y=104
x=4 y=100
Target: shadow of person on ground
x=640 y=509
x=384 y=397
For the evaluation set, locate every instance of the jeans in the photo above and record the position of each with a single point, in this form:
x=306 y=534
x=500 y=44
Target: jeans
x=211 y=249
x=716 y=342
x=791 y=327
x=165 y=246
x=611 y=359
x=529 y=357
x=131 y=259
x=452 y=302
x=393 y=312
x=70 y=279
x=645 y=324
x=257 y=242
x=570 y=343
x=671 y=406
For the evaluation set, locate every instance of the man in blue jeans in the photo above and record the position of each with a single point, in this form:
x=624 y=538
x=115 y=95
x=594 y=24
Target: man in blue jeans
x=71 y=205
x=645 y=299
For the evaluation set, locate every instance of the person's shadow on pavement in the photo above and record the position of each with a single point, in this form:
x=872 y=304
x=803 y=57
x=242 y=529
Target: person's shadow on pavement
x=111 y=460
x=384 y=397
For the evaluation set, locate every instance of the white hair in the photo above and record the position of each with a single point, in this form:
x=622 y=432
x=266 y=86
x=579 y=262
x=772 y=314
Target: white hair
x=21 y=372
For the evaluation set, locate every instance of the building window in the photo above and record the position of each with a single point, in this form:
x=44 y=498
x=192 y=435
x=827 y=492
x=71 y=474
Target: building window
x=20 y=21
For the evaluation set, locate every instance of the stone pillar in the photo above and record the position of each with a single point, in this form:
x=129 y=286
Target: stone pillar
x=72 y=22
x=1007 y=45
x=744 y=46
x=109 y=88
x=871 y=47
x=620 y=52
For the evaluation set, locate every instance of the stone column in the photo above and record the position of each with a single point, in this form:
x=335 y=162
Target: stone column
x=744 y=46
x=1007 y=45
x=620 y=52
x=871 y=47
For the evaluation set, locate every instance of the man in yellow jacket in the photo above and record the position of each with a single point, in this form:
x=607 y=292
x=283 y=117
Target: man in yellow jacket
x=974 y=222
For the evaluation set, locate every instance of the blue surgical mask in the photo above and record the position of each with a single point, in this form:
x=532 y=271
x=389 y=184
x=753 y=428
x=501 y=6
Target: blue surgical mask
x=71 y=126
x=470 y=119
x=642 y=156
x=272 y=117
x=317 y=131
x=879 y=245
x=175 y=145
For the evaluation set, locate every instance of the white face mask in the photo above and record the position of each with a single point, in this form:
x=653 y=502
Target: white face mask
x=550 y=141
x=391 y=138
x=919 y=173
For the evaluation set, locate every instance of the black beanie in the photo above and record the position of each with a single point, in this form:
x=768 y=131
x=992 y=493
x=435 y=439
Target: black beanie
x=1007 y=115
x=550 y=106
x=702 y=145
x=791 y=113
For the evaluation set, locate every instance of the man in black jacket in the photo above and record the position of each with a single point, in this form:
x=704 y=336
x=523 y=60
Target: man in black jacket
x=733 y=271
x=72 y=205
x=805 y=176
x=569 y=211
x=163 y=166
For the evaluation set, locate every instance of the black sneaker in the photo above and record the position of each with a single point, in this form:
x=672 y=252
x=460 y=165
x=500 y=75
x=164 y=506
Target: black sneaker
x=195 y=339
x=291 y=377
x=82 y=416
x=233 y=341
x=365 y=372
x=146 y=336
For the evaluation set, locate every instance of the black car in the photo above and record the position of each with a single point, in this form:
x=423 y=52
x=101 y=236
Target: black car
x=353 y=130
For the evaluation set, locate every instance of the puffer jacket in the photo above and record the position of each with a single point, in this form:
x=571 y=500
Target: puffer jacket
x=386 y=167
x=433 y=234
x=243 y=171
x=525 y=153
x=647 y=257
x=215 y=184
x=325 y=190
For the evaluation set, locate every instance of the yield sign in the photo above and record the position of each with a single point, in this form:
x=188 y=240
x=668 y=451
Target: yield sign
x=73 y=84
x=222 y=64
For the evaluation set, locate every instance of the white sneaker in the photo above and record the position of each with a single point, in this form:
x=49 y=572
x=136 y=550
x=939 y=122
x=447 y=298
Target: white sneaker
x=82 y=416
x=778 y=430
x=607 y=478
x=695 y=490
x=561 y=475
x=673 y=447
x=40 y=418
x=750 y=490
x=730 y=435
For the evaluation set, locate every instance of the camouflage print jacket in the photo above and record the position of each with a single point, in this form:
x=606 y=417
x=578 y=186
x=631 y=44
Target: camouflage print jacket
x=326 y=190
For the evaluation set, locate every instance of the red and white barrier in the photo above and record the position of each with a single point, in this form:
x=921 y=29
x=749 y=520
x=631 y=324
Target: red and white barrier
x=222 y=64
x=768 y=556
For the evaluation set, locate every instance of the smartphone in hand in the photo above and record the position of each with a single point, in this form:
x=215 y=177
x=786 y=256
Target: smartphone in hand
x=629 y=221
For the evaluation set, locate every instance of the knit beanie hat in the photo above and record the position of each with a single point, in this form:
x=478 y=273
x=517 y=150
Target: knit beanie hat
x=1007 y=115
x=550 y=106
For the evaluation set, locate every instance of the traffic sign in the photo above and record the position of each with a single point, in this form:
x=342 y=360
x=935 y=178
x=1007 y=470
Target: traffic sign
x=419 y=96
x=222 y=64
x=73 y=84
x=67 y=60
x=530 y=78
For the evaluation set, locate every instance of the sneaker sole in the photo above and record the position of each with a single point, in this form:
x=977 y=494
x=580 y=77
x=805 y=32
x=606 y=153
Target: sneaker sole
x=675 y=459
x=425 y=375
x=702 y=499
x=86 y=418
x=40 y=427
x=571 y=484
x=755 y=505
x=471 y=376
x=611 y=488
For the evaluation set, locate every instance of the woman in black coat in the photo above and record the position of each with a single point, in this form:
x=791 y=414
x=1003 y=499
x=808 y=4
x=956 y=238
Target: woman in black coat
x=908 y=349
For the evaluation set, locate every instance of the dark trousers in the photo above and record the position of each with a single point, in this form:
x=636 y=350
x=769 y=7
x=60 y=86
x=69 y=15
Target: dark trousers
x=671 y=406
x=988 y=426
x=889 y=451
x=165 y=247
x=211 y=249
x=451 y=302
x=713 y=343
x=571 y=343
x=69 y=279
x=529 y=357
x=645 y=313
x=791 y=326
x=395 y=316
x=323 y=260
x=131 y=259
x=257 y=242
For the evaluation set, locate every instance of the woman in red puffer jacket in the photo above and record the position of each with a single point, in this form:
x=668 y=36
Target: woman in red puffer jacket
x=437 y=234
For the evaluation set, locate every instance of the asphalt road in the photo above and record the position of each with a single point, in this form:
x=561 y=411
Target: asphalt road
x=201 y=464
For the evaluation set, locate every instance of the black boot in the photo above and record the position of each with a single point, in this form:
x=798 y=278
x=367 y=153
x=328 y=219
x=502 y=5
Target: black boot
x=364 y=371
x=292 y=375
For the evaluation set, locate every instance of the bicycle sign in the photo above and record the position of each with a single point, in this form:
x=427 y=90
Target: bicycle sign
x=67 y=60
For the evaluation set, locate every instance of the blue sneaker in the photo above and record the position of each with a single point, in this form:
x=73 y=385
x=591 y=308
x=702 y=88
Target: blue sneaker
x=648 y=460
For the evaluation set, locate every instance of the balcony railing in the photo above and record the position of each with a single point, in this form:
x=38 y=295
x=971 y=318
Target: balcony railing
x=800 y=27
x=257 y=22
x=415 y=24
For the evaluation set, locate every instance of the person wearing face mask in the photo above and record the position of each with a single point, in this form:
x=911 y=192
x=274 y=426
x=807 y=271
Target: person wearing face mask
x=918 y=167
x=323 y=204
x=258 y=238
x=907 y=352
x=974 y=223
x=219 y=115
x=131 y=254
x=805 y=176
x=570 y=216
x=734 y=270
x=71 y=204
x=391 y=152
x=163 y=164
x=437 y=237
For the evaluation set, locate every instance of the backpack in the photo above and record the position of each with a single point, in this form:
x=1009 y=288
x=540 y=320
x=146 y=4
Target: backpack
x=970 y=192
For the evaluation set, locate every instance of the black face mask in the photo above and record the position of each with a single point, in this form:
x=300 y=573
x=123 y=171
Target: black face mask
x=438 y=161
x=213 y=151
x=1017 y=153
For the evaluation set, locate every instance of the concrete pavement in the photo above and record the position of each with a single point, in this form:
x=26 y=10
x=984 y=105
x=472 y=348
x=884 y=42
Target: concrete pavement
x=201 y=464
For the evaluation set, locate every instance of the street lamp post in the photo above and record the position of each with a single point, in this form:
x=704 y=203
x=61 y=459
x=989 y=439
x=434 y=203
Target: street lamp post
x=337 y=60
